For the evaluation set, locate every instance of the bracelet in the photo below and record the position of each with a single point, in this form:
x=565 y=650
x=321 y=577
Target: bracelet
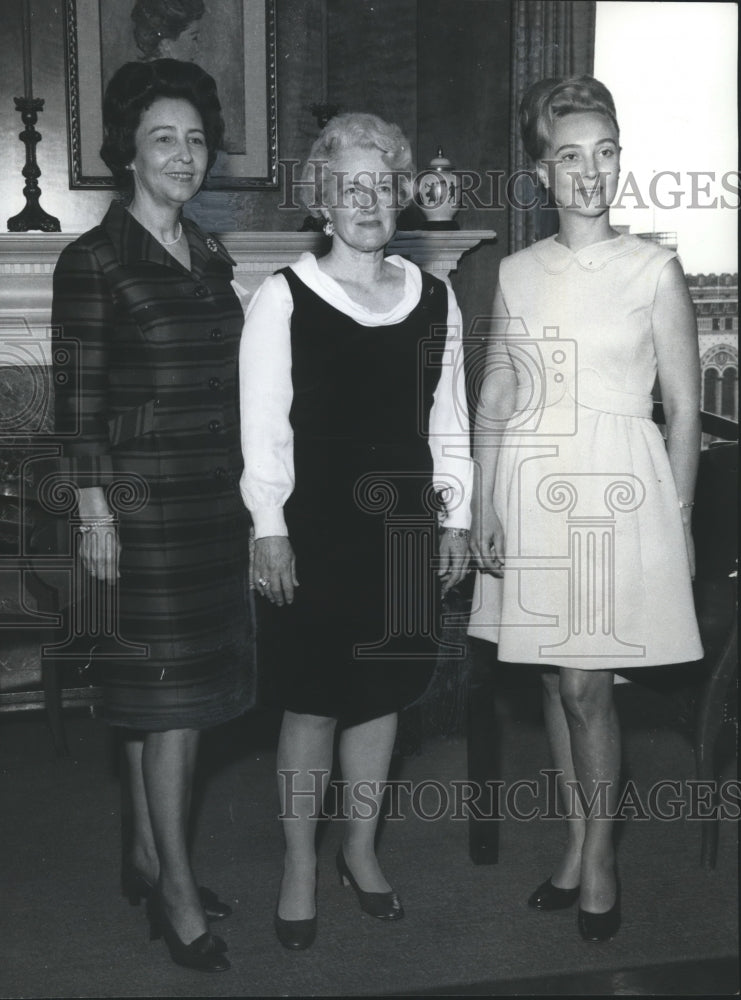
x=89 y=525
x=458 y=532
x=685 y=506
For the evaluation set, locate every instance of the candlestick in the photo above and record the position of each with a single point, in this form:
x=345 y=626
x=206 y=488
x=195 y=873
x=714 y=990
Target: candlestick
x=32 y=216
x=324 y=52
x=27 y=67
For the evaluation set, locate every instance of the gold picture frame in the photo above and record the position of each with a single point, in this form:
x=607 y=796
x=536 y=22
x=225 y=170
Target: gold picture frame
x=238 y=48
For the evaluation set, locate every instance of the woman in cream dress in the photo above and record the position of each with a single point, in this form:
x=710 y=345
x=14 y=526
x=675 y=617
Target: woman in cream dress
x=582 y=516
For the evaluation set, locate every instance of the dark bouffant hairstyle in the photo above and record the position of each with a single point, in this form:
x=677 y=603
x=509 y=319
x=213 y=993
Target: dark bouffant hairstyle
x=135 y=87
x=554 y=98
x=158 y=19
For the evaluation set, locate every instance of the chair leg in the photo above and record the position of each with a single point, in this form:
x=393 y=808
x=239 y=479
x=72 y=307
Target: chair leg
x=51 y=681
x=710 y=827
x=483 y=755
x=709 y=721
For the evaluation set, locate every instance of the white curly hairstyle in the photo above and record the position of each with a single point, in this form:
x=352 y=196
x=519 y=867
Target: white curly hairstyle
x=355 y=130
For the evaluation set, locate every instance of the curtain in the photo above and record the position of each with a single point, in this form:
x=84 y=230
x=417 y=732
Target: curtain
x=549 y=38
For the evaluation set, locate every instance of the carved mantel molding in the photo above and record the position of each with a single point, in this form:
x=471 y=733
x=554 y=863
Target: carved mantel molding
x=27 y=263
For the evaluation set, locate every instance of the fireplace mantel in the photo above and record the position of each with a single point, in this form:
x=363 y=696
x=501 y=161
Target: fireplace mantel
x=27 y=263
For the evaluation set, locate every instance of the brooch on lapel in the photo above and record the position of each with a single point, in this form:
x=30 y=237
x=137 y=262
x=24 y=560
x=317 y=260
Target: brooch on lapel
x=212 y=244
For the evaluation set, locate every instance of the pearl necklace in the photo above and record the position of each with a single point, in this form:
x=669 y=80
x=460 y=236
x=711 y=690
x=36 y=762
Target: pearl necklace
x=169 y=243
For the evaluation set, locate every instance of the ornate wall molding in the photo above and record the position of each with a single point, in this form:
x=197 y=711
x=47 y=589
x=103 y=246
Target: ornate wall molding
x=721 y=355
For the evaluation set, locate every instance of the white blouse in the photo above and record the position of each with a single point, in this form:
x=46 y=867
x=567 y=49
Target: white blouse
x=266 y=394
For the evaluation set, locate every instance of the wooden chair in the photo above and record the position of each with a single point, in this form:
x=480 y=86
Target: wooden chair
x=33 y=604
x=715 y=529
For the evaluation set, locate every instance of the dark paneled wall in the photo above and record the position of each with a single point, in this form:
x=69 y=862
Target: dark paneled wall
x=463 y=106
x=372 y=59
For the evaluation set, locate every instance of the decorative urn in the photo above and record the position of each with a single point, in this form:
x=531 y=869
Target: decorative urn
x=438 y=192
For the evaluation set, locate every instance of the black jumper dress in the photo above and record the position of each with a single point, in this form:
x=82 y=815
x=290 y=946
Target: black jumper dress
x=361 y=639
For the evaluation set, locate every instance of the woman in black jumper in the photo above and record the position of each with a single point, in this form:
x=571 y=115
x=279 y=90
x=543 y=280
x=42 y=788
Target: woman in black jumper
x=148 y=298
x=350 y=424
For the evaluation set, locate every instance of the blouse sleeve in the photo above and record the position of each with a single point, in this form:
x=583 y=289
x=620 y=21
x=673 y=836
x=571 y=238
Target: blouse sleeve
x=449 y=437
x=83 y=318
x=266 y=395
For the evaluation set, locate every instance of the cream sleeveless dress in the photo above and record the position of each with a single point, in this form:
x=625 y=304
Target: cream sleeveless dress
x=596 y=569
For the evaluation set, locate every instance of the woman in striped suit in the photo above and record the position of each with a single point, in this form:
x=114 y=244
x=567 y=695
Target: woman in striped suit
x=151 y=405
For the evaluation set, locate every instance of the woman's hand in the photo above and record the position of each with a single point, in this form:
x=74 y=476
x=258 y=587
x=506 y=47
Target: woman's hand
x=273 y=569
x=454 y=557
x=98 y=547
x=99 y=550
x=487 y=542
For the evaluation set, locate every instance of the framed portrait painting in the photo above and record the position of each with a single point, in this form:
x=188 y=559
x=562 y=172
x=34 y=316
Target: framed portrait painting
x=233 y=40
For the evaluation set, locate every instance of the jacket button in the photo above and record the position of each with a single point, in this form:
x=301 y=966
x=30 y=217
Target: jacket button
x=220 y=472
x=216 y=333
x=214 y=383
x=200 y=291
x=214 y=426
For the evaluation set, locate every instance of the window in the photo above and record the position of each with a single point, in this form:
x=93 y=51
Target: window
x=670 y=66
x=711 y=380
x=728 y=405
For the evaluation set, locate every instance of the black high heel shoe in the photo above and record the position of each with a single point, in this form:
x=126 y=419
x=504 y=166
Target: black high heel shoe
x=384 y=905
x=205 y=953
x=136 y=887
x=600 y=926
x=297 y=935
x=550 y=897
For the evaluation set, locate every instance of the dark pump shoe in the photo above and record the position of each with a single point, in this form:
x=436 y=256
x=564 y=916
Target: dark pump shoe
x=212 y=905
x=136 y=887
x=295 y=934
x=600 y=926
x=384 y=905
x=549 y=897
x=206 y=953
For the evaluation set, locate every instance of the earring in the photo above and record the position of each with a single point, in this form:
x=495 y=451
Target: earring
x=328 y=228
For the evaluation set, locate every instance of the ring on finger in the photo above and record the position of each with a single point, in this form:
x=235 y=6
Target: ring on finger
x=262 y=582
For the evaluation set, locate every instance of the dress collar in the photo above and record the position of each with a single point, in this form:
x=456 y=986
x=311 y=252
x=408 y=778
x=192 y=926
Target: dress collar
x=134 y=243
x=308 y=270
x=556 y=258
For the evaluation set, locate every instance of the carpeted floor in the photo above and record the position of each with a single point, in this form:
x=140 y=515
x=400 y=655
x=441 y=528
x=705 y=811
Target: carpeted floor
x=66 y=932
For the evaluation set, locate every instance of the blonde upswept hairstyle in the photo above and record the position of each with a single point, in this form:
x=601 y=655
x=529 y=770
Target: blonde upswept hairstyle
x=547 y=100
